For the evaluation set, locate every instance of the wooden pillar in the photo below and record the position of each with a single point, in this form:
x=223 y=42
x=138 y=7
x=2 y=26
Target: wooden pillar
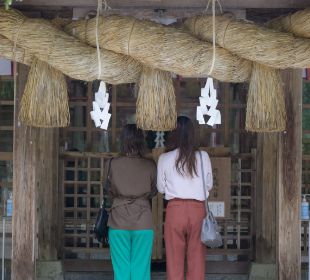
x=46 y=166
x=289 y=181
x=23 y=226
x=35 y=187
x=279 y=159
x=267 y=168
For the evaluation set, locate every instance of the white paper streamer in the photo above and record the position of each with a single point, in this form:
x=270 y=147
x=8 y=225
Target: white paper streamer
x=100 y=114
x=159 y=140
x=208 y=103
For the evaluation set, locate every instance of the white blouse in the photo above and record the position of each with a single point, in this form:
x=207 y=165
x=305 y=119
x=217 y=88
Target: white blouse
x=174 y=185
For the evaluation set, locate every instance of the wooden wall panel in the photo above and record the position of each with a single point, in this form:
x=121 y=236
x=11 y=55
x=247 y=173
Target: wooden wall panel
x=171 y=3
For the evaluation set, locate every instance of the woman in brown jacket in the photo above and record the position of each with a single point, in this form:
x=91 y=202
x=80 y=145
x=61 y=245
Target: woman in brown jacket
x=133 y=184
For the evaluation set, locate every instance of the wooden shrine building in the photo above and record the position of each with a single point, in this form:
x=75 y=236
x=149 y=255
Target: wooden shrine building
x=55 y=174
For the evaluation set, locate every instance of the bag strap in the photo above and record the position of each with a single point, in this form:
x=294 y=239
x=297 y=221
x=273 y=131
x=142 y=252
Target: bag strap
x=105 y=185
x=204 y=183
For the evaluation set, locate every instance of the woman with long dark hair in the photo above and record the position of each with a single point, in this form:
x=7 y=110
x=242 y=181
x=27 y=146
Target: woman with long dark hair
x=179 y=177
x=133 y=184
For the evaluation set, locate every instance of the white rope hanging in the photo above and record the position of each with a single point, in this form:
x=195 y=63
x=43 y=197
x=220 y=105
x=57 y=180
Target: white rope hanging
x=100 y=114
x=100 y=5
x=213 y=31
x=208 y=100
x=99 y=12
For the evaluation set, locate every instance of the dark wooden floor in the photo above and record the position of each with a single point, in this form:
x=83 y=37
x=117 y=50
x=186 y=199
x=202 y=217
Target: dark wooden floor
x=155 y=276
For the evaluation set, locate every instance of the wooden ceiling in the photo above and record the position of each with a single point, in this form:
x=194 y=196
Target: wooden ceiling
x=255 y=10
x=167 y=4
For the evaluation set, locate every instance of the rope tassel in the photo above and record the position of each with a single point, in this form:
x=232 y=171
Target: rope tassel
x=45 y=100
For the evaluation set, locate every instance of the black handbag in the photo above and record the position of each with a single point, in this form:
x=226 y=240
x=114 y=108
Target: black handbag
x=101 y=224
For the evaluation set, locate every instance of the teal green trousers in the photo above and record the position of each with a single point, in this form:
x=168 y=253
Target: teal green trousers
x=131 y=252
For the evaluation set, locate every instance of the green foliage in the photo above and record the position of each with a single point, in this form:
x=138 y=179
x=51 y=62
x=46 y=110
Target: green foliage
x=7 y=3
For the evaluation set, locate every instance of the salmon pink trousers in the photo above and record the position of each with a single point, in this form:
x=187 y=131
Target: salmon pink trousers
x=182 y=239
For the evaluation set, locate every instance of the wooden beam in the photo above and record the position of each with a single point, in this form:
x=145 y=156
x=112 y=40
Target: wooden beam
x=151 y=13
x=289 y=181
x=171 y=3
x=35 y=194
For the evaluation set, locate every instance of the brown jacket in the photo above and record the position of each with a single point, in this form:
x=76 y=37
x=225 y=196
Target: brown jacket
x=133 y=184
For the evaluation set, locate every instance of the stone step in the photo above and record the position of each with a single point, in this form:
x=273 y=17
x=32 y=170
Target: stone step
x=155 y=276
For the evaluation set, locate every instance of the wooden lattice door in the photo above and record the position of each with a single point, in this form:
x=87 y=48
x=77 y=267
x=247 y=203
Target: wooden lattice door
x=82 y=193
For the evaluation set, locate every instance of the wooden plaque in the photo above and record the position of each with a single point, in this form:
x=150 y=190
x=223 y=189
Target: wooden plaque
x=221 y=169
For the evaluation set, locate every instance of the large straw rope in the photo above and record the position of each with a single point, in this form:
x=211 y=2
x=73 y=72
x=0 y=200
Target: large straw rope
x=265 y=83
x=29 y=115
x=65 y=53
x=37 y=111
x=20 y=55
x=297 y=23
x=161 y=47
x=256 y=43
x=45 y=99
x=20 y=23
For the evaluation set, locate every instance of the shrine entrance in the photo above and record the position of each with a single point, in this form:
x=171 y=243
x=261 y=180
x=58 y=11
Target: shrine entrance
x=85 y=150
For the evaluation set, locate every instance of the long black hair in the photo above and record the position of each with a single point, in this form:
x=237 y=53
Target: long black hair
x=132 y=141
x=184 y=139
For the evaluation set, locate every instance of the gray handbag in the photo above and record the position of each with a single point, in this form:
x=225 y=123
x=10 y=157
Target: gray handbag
x=210 y=235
